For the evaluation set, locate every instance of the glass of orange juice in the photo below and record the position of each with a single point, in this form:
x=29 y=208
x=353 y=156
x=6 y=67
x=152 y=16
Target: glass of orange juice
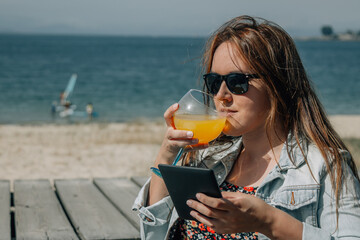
x=197 y=113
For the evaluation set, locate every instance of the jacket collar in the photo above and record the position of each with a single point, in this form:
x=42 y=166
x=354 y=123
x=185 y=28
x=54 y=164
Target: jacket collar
x=291 y=156
x=223 y=153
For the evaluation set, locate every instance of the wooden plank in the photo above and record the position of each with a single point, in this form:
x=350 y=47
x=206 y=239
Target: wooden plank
x=38 y=213
x=140 y=181
x=5 y=225
x=92 y=214
x=122 y=193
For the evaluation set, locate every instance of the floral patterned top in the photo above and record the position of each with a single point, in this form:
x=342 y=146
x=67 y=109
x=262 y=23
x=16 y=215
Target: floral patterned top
x=191 y=229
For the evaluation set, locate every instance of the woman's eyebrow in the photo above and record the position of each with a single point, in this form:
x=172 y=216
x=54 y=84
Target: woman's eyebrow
x=238 y=71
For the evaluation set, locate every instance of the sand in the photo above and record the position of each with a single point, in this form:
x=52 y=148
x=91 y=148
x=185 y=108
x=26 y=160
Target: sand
x=95 y=150
x=348 y=126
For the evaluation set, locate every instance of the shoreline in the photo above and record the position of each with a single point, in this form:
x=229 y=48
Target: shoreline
x=347 y=125
x=94 y=150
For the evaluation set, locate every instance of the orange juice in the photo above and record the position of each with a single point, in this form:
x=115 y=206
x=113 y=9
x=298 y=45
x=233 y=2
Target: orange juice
x=204 y=127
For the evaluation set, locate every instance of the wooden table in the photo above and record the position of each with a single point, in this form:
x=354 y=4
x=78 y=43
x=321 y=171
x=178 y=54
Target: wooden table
x=71 y=209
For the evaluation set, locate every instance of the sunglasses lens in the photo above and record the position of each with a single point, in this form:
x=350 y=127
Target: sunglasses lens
x=237 y=83
x=213 y=83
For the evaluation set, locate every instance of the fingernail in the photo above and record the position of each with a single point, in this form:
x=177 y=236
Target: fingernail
x=195 y=140
x=175 y=106
x=198 y=195
x=189 y=202
x=190 y=134
x=192 y=213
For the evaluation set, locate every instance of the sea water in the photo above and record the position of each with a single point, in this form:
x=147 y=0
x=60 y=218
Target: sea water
x=131 y=78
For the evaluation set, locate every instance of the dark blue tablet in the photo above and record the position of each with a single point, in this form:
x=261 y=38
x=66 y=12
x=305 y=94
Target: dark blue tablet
x=184 y=183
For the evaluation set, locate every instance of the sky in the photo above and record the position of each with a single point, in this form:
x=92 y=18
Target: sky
x=172 y=17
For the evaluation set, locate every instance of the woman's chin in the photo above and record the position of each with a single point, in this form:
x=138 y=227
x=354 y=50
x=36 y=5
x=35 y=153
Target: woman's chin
x=229 y=130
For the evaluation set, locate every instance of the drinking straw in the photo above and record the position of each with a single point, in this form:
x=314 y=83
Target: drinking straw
x=177 y=158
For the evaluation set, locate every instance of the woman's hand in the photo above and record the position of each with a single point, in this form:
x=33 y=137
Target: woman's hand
x=235 y=212
x=175 y=139
x=238 y=212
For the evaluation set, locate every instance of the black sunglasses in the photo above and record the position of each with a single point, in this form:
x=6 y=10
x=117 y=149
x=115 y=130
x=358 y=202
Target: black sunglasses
x=237 y=83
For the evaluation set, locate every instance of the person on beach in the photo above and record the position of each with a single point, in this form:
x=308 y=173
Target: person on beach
x=53 y=109
x=62 y=99
x=283 y=170
x=90 y=110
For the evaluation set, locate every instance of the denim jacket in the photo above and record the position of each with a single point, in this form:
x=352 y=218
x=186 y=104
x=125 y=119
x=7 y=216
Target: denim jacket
x=290 y=186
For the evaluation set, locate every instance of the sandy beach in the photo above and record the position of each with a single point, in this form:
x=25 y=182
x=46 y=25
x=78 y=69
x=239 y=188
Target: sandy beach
x=101 y=150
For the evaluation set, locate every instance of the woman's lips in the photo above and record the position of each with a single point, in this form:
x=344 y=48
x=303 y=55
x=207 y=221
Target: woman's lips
x=227 y=112
x=230 y=113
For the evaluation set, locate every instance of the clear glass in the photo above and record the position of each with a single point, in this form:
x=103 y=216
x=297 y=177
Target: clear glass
x=197 y=113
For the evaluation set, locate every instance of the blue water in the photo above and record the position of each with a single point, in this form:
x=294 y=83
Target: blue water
x=128 y=78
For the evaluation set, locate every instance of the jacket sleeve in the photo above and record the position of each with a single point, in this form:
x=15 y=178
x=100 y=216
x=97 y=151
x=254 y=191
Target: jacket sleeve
x=347 y=226
x=154 y=219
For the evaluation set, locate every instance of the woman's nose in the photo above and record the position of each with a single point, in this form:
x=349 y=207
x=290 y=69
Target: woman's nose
x=224 y=94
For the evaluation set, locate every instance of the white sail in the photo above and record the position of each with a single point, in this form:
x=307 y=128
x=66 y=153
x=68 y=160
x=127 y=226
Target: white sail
x=70 y=87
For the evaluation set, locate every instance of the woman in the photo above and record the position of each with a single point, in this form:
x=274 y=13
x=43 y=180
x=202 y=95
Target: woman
x=283 y=170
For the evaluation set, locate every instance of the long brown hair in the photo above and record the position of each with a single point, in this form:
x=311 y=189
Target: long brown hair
x=271 y=53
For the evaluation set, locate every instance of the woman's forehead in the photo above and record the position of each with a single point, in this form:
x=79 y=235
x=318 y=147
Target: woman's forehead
x=227 y=59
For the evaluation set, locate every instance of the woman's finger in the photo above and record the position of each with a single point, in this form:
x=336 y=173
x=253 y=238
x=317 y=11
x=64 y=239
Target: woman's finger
x=203 y=219
x=230 y=195
x=238 y=199
x=173 y=134
x=192 y=143
x=169 y=113
x=181 y=143
x=204 y=209
x=214 y=203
